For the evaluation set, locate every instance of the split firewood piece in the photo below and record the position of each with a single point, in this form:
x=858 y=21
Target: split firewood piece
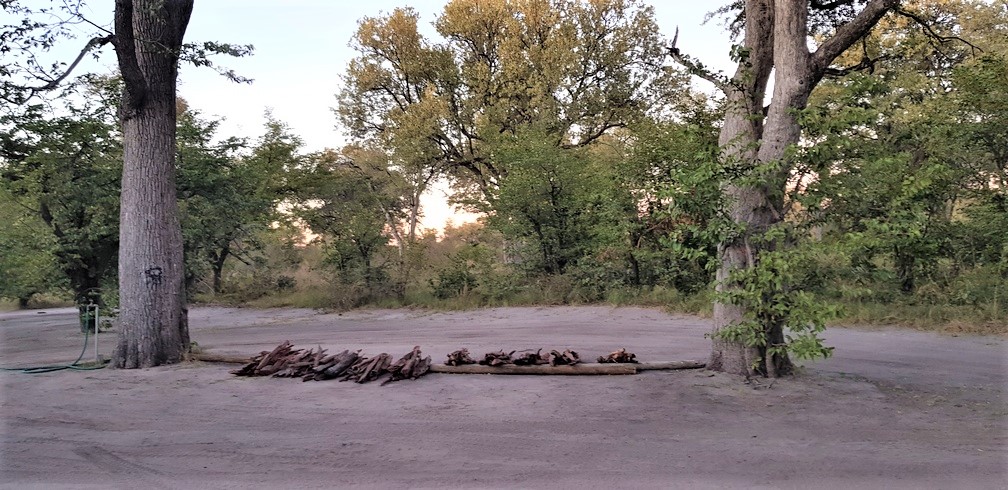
x=459 y=358
x=565 y=358
x=269 y=362
x=297 y=364
x=332 y=366
x=530 y=358
x=412 y=365
x=619 y=356
x=282 y=351
x=498 y=358
x=368 y=369
x=318 y=357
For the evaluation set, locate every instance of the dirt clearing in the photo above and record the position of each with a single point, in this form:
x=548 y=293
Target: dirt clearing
x=893 y=408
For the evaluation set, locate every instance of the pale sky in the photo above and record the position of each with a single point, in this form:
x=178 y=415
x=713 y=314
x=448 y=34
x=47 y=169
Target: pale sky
x=301 y=49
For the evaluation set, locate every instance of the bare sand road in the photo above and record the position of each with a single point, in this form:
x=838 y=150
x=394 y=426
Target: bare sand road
x=892 y=408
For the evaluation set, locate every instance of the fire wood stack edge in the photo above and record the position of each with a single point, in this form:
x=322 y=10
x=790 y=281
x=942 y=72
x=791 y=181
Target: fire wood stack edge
x=314 y=365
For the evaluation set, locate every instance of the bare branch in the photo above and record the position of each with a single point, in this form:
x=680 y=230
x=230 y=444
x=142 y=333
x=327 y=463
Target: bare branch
x=820 y=5
x=696 y=68
x=866 y=63
x=92 y=44
x=932 y=33
x=849 y=33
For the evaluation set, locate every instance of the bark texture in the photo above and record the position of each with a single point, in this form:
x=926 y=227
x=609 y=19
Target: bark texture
x=776 y=38
x=154 y=328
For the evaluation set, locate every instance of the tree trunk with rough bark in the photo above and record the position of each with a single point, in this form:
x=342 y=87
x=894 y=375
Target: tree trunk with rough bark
x=154 y=328
x=776 y=38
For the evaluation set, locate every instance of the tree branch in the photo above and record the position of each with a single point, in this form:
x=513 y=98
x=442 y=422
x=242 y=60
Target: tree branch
x=129 y=67
x=820 y=5
x=866 y=63
x=696 y=68
x=848 y=34
x=92 y=44
x=931 y=32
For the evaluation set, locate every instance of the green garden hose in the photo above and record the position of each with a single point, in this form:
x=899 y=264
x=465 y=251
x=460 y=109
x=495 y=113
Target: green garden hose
x=59 y=367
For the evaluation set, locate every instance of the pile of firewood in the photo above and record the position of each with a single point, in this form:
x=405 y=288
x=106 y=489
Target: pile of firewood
x=530 y=358
x=459 y=358
x=565 y=358
x=498 y=358
x=619 y=356
x=523 y=358
x=314 y=365
x=412 y=366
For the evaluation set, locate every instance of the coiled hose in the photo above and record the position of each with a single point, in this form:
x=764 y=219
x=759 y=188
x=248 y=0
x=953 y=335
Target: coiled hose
x=60 y=367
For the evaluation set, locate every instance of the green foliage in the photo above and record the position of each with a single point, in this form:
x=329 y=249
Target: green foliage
x=544 y=202
x=340 y=205
x=66 y=170
x=571 y=69
x=226 y=199
x=27 y=260
x=676 y=180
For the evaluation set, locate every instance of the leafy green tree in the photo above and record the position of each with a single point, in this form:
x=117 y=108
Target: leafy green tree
x=544 y=199
x=227 y=199
x=799 y=43
x=571 y=69
x=339 y=205
x=147 y=38
x=674 y=220
x=905 y=154
x=67 y=170
x=27 y=252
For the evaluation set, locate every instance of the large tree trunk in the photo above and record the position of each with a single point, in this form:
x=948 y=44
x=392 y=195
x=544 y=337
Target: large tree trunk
x=154 y=327
x=739 y=138
x=776 y=34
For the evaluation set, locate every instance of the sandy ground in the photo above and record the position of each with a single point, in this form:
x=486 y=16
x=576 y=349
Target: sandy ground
x=892 y=408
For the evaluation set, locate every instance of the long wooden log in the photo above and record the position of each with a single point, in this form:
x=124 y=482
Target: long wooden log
x=576 y=369
x=665 y=365
x=222 y=358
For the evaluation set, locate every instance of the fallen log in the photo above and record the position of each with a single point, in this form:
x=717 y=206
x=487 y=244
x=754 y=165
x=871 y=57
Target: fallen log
x=668 y=365
x=221 y=358
x=576 y=369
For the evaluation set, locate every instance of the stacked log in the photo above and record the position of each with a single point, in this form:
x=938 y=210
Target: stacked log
x=314 y=365
x=368 y=368
x=620 y=356
x=271 y=362
x=333 y=366
x=410 y=366
x=285 y=361
x=498 y=358
x=531 y=358
x=460 y=357
x=565 y=358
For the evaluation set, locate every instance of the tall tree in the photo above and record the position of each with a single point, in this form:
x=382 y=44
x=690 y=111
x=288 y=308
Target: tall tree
x=575 y=70
x=66 y=169
x=227 y=200
x=755 y=140
x=153 y=317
